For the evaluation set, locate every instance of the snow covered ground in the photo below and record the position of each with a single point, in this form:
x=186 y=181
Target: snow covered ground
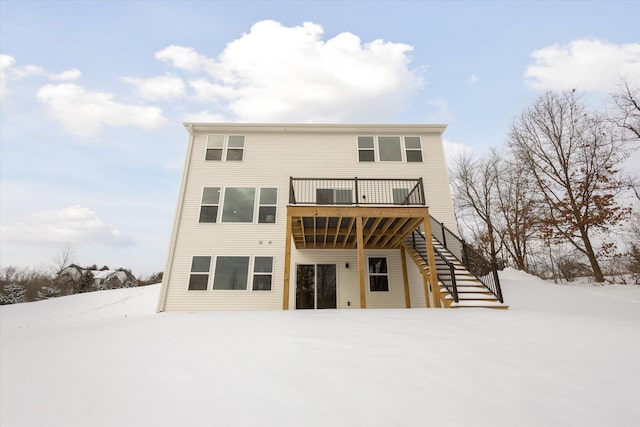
x=561 y=356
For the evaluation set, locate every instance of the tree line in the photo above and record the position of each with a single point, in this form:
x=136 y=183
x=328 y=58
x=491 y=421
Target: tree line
x=24 y=284
x=555 y=200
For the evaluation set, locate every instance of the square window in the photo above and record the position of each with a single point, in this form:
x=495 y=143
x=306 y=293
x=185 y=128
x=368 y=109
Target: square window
x=214 y=154
x=267 y=214
x=208 y=214
x=231 y=273
x=389 y=148
x=198 y=282
x=199 y=277
x=238 y=204
x=234 y=154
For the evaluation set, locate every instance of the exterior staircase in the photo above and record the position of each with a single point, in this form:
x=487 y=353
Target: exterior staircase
x=458 y=287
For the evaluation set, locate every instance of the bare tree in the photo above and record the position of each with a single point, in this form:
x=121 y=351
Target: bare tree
x=474 y=183
x=516 y=203
x=626 y=109
x=63 y=258
x=573 y=158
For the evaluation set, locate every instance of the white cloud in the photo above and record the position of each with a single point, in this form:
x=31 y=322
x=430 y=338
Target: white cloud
x=68 y=75
x=205 y=117
x=442 y=112
x=184 y=58
x=85 y=113
x=74 y=224
x=454 y=150
x=472 y=79
x=165 y=87
x=588 y=65
x=277 y=73
x=9 y=71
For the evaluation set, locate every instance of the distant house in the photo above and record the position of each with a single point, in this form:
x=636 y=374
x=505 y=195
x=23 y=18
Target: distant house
x=72 y=276
x=313 y=216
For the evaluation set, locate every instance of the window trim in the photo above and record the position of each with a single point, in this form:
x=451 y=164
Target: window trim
x=255 y=209
x=225 y=147
x=369 y=274
x=407 y=149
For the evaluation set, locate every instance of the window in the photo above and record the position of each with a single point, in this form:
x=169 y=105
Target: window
x=231 y=273
x=378 y=275
x=238 y=204
x=216 y=147
x=262 y=273
x=330 y=196
x=235 y=150
x=389 y=148
x=210 y=203
x=413 y=150
x=268 y=205
x=199 y=278
x=365 y=149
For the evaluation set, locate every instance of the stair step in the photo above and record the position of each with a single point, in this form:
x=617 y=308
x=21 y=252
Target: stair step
x=474 y=297
x=479 y=304
x=472 y=289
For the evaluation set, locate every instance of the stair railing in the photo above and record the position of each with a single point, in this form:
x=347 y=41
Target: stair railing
x=484 y=270
x=418 y=243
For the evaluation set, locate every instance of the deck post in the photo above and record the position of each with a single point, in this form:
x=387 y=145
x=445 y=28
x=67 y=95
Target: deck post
x=431 y=258
x=405 y=278
x=425 y=283
x=360 y=250
x=287 y=264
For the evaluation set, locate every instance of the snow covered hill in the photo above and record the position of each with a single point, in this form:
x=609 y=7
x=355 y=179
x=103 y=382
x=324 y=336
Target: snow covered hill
x=561 y=356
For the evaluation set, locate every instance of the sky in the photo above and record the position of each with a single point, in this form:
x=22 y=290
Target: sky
x=94 y=94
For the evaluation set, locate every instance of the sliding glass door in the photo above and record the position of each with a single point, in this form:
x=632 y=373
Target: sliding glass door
x=316 y=286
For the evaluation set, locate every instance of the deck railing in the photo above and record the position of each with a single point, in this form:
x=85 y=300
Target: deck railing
x=448 y=278
x=356 y=191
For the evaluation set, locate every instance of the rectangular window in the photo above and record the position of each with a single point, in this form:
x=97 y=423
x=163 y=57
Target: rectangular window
x=366 y=149
x=210 y=204
x=238 y=204
x=330 y=196
x=268 y=205
x=262 y=273
x=231 y=273
x=235 y=148
x=199 y=278
x=378 y=275
x=215 y=145
x=389 y=149
x=413 y=150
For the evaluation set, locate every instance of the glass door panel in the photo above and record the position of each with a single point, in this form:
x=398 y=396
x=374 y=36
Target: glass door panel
x=326 y=286
x=305 y=286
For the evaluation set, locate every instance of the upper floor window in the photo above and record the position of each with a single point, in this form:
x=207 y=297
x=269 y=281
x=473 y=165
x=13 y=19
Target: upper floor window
x=228 y=147
x=389 y=149
x=238 y=204
x=413 y=149
x=199 y=277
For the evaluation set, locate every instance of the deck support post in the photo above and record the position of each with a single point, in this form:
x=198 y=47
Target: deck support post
x=433 y=275
x=287 y=264
x=405 y=278
x=360 y=250
x=425 y=283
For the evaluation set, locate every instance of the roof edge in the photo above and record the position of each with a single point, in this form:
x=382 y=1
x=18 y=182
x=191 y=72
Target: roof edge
x=315 y=127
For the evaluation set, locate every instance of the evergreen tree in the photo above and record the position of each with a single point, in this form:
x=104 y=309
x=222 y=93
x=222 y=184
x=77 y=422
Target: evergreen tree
x=12 y=293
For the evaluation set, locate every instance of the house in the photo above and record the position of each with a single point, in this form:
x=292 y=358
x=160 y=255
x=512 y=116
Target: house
x=71 y=278
x=313 y=216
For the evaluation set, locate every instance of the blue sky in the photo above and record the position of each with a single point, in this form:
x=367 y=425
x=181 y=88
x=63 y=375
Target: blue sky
x=94 y=93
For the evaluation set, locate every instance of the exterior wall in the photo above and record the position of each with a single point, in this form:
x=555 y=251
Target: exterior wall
x=272 y=154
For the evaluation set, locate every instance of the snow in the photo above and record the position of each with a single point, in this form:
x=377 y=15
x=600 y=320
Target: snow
x=562 y=355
